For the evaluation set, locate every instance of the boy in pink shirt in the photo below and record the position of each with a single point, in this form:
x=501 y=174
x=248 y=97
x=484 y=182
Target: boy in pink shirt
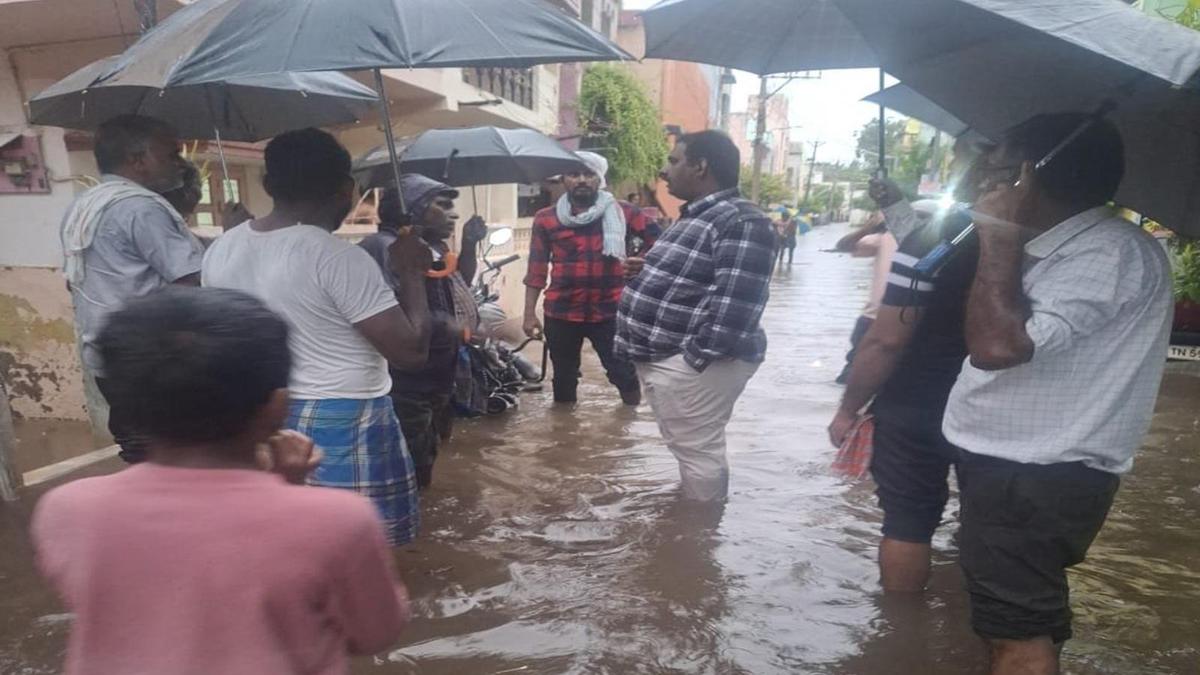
x=198 y=561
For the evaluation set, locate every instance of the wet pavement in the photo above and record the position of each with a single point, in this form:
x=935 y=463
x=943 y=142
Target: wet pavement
x=553 y=541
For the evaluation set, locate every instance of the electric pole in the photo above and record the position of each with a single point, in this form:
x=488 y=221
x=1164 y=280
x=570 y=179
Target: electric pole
x=812 y=164
x=760 y=131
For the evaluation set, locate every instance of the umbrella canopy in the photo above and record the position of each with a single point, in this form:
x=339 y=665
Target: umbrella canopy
x=212 y=40
x=239 y=109
x=777 y=36
x=759 y=36
x=902 y=99
x=474 y=156
x=994 y=63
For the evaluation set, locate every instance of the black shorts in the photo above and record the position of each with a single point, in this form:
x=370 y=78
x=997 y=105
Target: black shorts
x=910 y=463
x=1023 y=525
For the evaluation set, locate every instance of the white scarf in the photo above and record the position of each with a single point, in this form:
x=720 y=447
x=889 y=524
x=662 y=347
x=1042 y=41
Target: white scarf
x=79 y=226
x=614 y=221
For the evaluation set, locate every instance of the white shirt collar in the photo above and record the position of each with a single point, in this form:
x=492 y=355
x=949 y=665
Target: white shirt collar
x=1046 y=243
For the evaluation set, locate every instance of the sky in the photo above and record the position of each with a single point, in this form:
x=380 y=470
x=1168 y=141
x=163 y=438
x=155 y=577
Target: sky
x=827 y=108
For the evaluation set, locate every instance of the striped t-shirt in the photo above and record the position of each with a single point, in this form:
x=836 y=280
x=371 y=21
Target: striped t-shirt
x=922 y=381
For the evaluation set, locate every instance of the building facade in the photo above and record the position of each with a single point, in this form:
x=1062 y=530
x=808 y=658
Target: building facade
x=42 y=41
x=682 y=91
x=743 y=127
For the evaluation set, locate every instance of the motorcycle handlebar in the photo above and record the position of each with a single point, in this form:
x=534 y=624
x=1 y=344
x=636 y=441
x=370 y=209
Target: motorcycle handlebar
x=504 y=261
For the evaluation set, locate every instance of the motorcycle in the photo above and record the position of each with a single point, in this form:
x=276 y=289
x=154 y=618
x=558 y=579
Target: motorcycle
x=494 y=373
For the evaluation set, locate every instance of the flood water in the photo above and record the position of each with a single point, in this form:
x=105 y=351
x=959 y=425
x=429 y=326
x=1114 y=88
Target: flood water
x=553 y=541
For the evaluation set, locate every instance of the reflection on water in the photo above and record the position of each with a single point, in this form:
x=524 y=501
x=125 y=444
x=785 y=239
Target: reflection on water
x=554 y=542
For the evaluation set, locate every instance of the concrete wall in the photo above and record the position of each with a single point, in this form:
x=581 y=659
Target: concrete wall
x=38 y=358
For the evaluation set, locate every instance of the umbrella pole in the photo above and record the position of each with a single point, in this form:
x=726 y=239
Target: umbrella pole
x=387 y=133
x=474 y=200
x=224 y=166
x=882 y=130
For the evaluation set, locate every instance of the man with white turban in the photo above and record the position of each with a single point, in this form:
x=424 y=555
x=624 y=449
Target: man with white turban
x=580 y=244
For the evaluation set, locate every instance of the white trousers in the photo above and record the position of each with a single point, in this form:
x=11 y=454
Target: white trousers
x=692 y=410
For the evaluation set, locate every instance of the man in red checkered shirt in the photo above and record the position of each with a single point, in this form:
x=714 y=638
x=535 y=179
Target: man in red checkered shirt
x=580 y=244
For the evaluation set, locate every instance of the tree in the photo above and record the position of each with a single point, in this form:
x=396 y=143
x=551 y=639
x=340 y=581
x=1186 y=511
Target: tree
x=906 y=162
x=632 y=138
x=819 y=199
x=771 y=188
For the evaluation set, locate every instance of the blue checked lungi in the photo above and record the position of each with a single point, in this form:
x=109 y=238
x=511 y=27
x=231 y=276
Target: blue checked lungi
x=363 y=451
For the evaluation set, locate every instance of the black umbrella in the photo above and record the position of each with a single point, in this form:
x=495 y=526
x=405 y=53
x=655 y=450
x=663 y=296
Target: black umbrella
x=473 y=156
x=213 y=40
x=238 y=109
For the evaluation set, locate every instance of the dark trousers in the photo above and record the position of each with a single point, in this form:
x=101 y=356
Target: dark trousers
x=787 y=246
x=425 y=420
x=1023 y=525
x=565 y=340
x=133 y=445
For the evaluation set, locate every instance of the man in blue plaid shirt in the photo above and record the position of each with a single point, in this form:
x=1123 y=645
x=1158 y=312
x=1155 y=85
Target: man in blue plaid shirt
x=689 y=318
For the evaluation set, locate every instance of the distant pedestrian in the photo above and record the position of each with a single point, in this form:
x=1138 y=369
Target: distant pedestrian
x=423 y=396
x=199 y=560
x=347 y=322
x=123 y=241
x=690 y=316
x=787 y=229
x=1067 y=326
x=580 y=243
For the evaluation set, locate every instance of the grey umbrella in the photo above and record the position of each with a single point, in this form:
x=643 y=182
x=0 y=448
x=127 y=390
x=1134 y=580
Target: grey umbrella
x=239 y=109
x=902 y=99
x=994 y=63
x=212 y=40
x=776 y=36
x=473 y=156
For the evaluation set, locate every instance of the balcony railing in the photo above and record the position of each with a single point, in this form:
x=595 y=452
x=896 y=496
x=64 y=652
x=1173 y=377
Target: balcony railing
x=510 y=84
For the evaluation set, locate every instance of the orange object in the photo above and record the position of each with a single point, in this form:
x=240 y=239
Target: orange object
x=451 y=261
x=854 y=456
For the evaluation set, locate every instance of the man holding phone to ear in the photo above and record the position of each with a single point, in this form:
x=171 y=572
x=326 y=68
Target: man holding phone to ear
x=1066 y=330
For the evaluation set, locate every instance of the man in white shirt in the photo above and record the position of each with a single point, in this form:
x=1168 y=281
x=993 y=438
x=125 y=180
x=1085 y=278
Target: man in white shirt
x=122 y=240
x=346 y=321
x=1067 y=325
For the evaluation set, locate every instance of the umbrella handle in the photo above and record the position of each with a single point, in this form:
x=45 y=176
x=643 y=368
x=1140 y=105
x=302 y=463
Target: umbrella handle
x=882 y=173
x=224 y=167
x=391 y=141
x=446 y=171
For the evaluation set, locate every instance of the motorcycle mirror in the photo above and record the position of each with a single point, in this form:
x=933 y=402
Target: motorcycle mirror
x=500 y=236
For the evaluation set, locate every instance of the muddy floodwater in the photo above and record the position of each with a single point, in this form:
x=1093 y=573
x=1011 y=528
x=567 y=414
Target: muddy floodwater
x=553 y=541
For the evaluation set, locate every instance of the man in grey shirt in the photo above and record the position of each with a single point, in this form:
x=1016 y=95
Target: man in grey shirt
x=122 y=240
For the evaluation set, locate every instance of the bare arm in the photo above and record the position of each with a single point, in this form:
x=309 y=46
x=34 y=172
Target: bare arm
x=532 y=325
x=848 y=242
x=876 y=359
x=535 y=277
x=474 y=232
x=997 y=308
x=877 y=356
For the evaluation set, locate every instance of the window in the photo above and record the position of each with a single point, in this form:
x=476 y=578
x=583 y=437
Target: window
x=586 y=12
x=512 y=84
x=531 y=199
x=213 y=195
